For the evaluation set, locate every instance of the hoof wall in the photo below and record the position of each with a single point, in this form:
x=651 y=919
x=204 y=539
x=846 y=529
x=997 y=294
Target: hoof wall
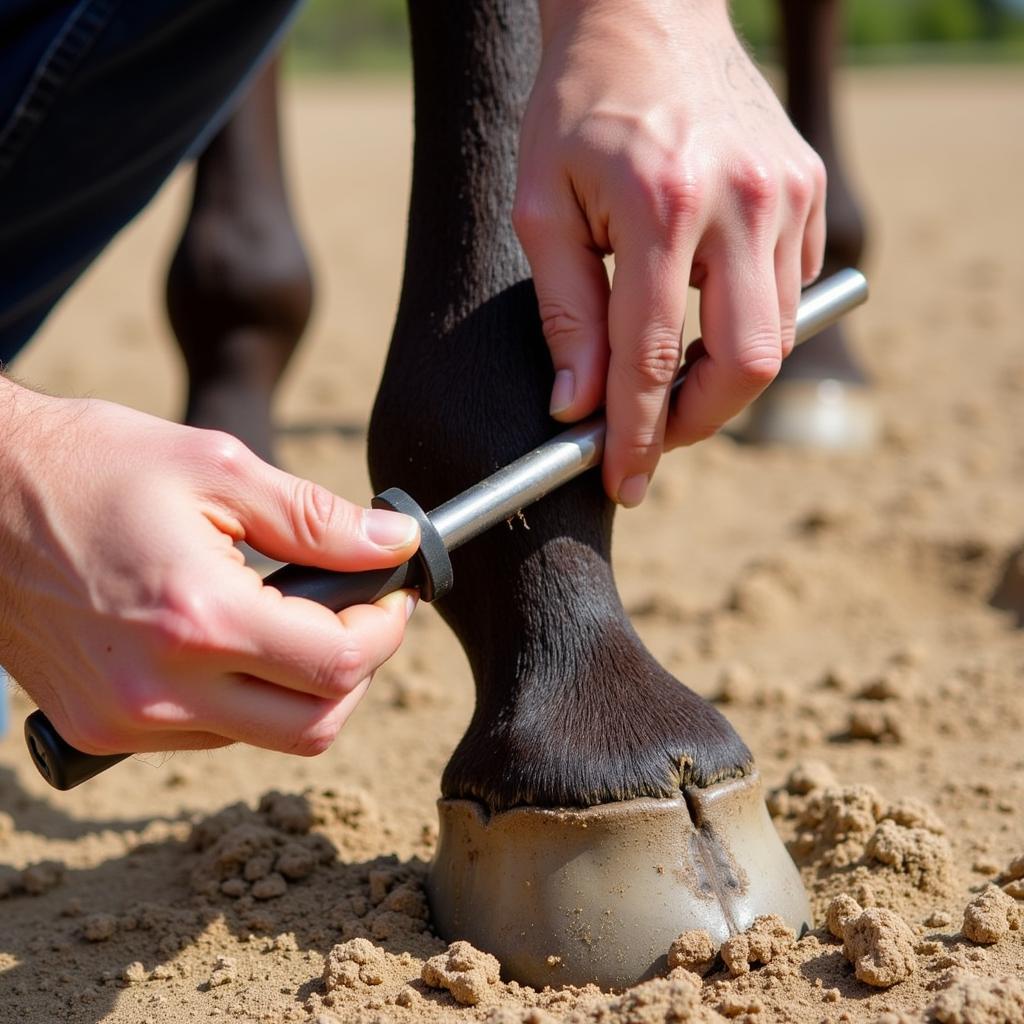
x=829 y=415
x=571 y=897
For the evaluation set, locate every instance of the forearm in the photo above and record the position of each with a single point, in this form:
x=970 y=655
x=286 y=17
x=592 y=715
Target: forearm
x=22 y=418
x=18 y=410
x=28 y=421
x=558 y=16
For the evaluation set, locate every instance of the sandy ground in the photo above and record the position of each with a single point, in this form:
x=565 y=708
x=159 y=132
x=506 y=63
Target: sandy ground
x=840 y=607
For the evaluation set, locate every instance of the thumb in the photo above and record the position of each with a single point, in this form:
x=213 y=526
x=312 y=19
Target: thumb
x=572 y=297
x=295 y=520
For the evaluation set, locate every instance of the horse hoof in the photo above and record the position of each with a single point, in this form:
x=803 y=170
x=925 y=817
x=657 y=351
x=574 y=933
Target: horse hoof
x=571 y=897
x=827 y=414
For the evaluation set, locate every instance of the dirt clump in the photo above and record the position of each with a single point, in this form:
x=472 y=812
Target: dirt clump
x=869 y=721
x=35 y=880
x=258 y=853
x=842 y=909
x=225 y=971
x=1015 y=869
x=924 y=856
x=1012 y=879
x=765 y=939
x=694 y=951
x=990 y=916
x=99 y=927
x=850 y=836
x=737 y=684
x=970 y=999
x=353 y=963
x=877 y=941
x=470 y=975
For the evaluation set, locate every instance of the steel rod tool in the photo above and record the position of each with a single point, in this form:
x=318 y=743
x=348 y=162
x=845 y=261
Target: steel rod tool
x=445 y=528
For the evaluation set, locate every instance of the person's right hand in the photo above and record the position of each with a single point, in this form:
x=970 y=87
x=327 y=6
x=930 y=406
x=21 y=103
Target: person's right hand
x=650 y=134
x=129 y=616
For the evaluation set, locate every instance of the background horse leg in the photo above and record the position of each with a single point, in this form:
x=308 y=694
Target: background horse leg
x=239 y=290
x=792 y=409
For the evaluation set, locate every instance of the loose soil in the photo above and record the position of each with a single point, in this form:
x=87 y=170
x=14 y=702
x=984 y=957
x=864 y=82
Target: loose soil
x=857 y=616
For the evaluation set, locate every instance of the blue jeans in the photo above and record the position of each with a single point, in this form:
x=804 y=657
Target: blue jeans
x=99 y=101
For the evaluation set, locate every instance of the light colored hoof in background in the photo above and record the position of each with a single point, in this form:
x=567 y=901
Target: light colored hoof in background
x=831 y=415
x=570 y=897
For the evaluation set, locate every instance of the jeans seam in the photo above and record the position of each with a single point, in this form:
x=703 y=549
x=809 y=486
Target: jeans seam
x=56 y=66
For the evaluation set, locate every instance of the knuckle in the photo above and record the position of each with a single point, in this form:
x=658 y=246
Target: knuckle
x=679 y=198
x=315 y=513
x=226 y=452
x=185 y=621
x=656 y=361
x=641 y=449
x=788 y=338
x=799 y=188
x=340 y=671
x=755 y=188
x=317 y=737
x=759 y=364
x=530 y=218
x=818 y=173
x=562 y=326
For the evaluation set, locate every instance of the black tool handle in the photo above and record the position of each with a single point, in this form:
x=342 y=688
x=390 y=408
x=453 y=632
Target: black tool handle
x=64 y=766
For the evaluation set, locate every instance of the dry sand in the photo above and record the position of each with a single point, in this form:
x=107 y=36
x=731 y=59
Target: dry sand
x=840 y=607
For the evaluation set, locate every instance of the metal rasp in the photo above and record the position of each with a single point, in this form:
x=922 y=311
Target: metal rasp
x=445 y=528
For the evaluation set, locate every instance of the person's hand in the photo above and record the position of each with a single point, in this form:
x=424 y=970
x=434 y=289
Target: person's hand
x=129 y=616
x=651 y=135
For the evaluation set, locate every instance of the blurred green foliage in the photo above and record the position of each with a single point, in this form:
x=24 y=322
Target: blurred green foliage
x=902 y=26
x=357 y=34
x=372 y=34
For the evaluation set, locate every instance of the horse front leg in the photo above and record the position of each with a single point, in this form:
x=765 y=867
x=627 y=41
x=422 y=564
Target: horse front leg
x=580 y=740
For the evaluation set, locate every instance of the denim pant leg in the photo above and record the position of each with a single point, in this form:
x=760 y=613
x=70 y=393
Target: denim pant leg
x=103 y=99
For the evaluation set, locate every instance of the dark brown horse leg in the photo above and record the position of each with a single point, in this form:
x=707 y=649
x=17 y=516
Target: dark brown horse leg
x=571 y=708
x=812 y=31
x=795 y=409
x=239 y=289
x=668 y=830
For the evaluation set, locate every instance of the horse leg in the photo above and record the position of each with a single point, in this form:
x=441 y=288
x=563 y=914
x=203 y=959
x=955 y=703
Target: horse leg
x=796 y=409
x=572 y=711
x=239 y=290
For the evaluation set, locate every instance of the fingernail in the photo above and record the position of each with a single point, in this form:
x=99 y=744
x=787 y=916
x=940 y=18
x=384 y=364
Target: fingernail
x=633 y=489
x=389 y=529
x=563 y=391
x=404 y=599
